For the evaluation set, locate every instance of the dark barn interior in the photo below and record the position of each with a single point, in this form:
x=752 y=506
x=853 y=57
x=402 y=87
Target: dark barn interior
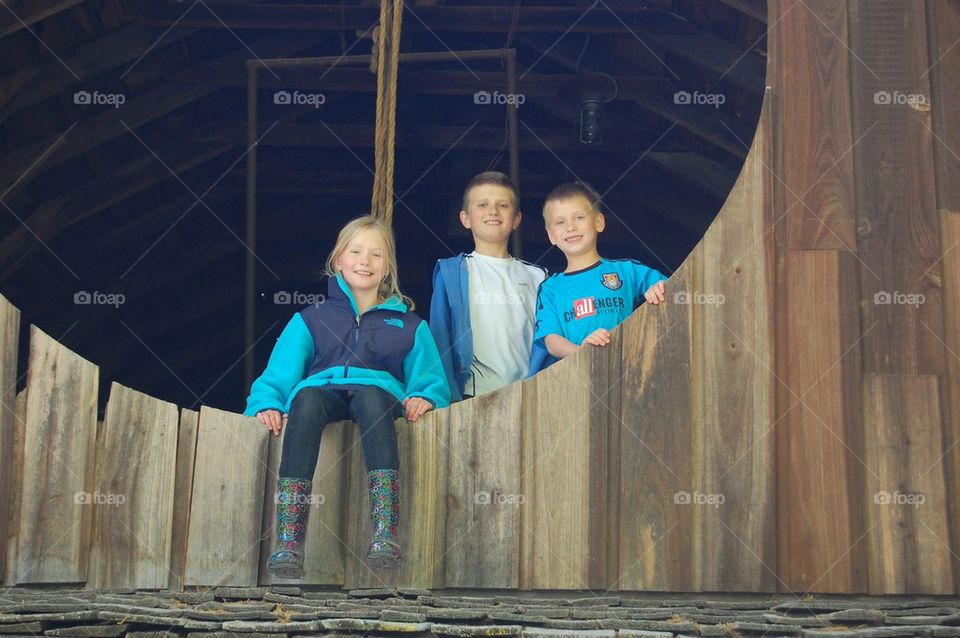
x=124 y=171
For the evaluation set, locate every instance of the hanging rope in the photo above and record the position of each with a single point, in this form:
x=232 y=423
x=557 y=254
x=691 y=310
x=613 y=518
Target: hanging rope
x=388 y=51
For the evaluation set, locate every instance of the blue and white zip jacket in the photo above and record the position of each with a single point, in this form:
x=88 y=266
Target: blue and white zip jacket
x=332 y=344
x=450 y=324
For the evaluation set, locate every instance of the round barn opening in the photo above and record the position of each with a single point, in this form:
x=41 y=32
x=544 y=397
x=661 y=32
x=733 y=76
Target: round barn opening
x=128 y=168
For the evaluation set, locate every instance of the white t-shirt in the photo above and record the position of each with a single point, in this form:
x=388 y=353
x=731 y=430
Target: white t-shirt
x=503 y=310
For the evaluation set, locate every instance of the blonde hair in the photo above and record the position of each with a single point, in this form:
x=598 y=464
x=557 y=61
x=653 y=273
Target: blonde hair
x=390 y=286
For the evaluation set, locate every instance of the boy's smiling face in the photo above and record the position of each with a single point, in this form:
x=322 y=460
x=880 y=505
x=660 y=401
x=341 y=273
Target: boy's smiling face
x=492 y=214
x=573 y=225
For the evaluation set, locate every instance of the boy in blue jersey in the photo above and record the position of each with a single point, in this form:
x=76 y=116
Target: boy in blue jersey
x=593 y=295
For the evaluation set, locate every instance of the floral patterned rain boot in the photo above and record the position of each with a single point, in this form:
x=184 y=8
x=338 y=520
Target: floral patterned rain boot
x=293 y=506
x=384 y=550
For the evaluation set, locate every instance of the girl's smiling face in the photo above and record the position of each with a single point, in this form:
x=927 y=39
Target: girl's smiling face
x=362 y=263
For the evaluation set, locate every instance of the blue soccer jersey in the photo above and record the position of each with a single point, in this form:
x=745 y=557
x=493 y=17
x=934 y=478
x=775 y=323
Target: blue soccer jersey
x=575 y=304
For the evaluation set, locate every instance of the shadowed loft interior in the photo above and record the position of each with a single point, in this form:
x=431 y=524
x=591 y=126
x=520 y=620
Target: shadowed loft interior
x=122 y=128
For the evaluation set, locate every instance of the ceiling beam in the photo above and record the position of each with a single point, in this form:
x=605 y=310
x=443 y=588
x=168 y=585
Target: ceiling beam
x=141 y=109
x=756 y=9
x=343 y=79
x=487 y=19
x=32 y=84
x=704 y=121
x=23 y=15
x=309 y=134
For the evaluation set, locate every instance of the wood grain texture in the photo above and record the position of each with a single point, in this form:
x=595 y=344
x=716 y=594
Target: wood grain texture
x=325 y=541
x=18 y=437
x=423 y=477
x=909 y=531
x=136 y=469
x=658 y=465
x=950 y=241
x=9 y=345
x=899 y=246
x=483 y=493
x=564 y=478
x=820 y=467
x=58 y=462
x=943 y=24
x=183 y=489
x=226 y=509
x=809 y=71
x=733 y=315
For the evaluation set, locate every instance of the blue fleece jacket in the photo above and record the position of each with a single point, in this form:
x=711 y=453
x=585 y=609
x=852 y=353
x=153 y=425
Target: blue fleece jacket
x=450 y=324
x=332 y=344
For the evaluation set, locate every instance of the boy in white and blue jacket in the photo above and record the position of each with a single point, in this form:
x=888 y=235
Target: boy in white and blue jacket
x=483 y=308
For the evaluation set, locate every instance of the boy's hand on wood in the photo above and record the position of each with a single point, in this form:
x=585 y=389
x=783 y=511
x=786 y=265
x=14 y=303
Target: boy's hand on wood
x=272 y=419
x=415 y=407
x=655 y=293
x=599 y=337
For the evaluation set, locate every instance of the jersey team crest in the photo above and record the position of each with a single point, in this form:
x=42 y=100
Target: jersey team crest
x=612 y=280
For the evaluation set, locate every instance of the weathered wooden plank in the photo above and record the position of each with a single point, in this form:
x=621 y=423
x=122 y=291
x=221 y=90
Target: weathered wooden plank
x=943 y=23
x=820 y=485
x=564 y=471
x=325 y=541
x=12 y=511
x=183 y=489
x=423 y=478
x=950 y=241
x=58 y=461
x=658 y=481
x=9 y=344
x=733 y=312
x=909 y=531
x=899 y=246
x=483 y=491
x=133 y=495
x=223 y=544
x=810 y=74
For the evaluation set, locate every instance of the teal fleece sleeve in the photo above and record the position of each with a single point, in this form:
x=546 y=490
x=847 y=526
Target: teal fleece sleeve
x=287 y=367
x=423 y=370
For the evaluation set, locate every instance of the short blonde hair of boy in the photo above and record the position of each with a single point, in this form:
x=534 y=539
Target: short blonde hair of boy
x=570 y=190
x=390 y=286
x=495 y=178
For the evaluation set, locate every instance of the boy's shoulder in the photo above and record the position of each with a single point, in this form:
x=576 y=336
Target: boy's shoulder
x=537 y=268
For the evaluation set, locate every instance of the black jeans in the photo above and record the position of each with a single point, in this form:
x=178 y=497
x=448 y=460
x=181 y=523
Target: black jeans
x=374 y=411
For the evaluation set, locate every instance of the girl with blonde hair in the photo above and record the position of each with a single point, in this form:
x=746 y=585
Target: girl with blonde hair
x=361 y=354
